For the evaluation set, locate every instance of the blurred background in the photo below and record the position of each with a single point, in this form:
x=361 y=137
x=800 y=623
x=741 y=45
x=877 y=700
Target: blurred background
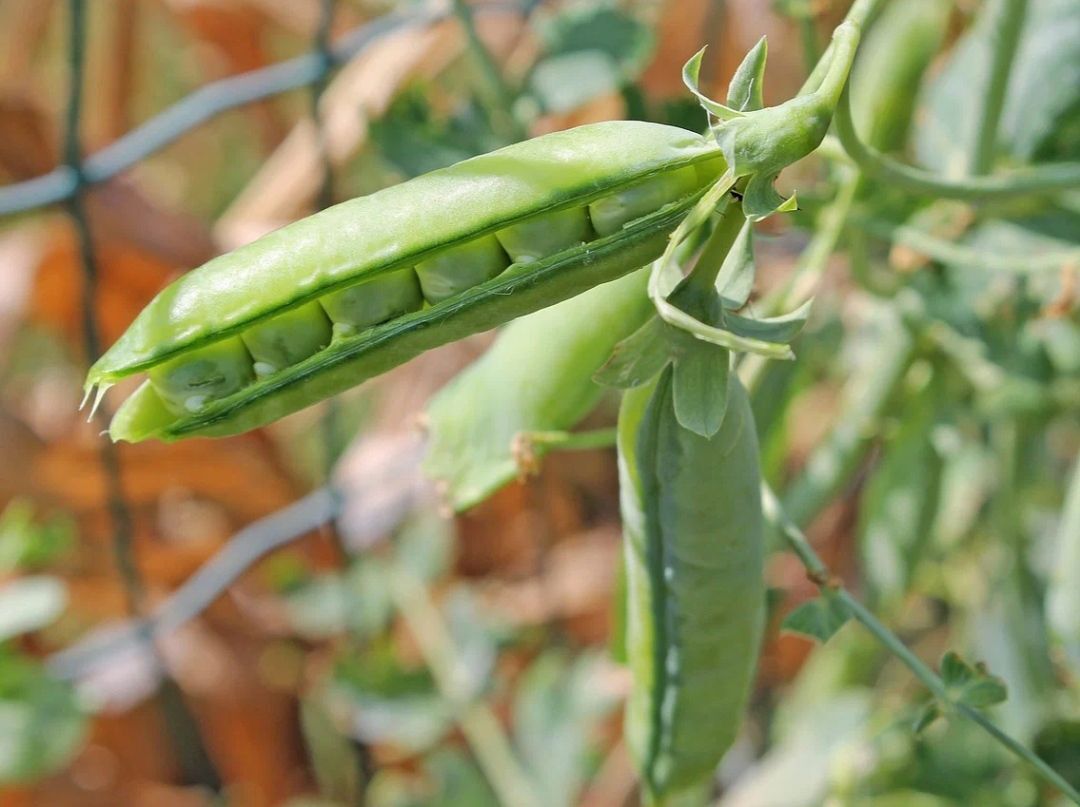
x=353 y=644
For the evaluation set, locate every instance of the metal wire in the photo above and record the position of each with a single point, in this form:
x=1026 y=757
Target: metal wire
x=68 y=184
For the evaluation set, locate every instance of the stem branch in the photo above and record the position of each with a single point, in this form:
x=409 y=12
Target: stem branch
x=798 y=544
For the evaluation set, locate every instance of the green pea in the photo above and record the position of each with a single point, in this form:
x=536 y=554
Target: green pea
x=287 y=339
x=461 y=268
x=373 y=302
x=354 y=260
x=536 y=238
x=188 y=382
x=610 y=213
x=694 y=543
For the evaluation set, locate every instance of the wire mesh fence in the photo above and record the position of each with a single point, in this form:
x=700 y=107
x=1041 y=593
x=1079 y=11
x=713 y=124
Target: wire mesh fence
x=76 y=175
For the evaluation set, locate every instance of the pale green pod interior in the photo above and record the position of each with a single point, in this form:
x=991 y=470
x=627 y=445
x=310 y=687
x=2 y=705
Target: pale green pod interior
x=375 y=301
x=610 y=213
x=460 y=268
x=287 y=338
x=187 y=382
x=536 y=238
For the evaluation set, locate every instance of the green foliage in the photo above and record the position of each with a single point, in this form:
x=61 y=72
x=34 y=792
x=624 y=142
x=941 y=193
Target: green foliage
x=40 y=720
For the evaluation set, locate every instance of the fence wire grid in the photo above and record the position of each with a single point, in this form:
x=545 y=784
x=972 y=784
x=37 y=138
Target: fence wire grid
x=67 y=185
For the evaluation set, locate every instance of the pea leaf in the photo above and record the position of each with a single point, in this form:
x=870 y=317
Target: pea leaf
x=735 y=280
x=1038 y=111
x=762 y=200
x=745 y=92
x=971 y=684
x=779 y=330
x=626 y=41
x=40 y=721
x=699 y=388
x=819 y=618
x=691 y=75
x=538 y=376
x=29 y=543
x=567 y=81
x=637 y=358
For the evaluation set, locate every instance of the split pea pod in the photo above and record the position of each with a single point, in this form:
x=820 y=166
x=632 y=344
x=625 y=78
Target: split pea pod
x=343 y=295
x=693 y=524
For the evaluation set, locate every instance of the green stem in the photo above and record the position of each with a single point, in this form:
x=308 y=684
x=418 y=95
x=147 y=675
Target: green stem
x=512 y=785
x=572 y=441
x=697 y=290
x=500 y=98
x=1005 y=38
x=830 y=586
x=1021 y=182
x=860 y=13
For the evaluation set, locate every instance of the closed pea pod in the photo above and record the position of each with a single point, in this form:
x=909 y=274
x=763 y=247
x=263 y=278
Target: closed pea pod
x=450 y=234
x=694 y=544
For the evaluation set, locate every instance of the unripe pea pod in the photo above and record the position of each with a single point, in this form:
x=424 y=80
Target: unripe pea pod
x=693 y=525
x=451 y=234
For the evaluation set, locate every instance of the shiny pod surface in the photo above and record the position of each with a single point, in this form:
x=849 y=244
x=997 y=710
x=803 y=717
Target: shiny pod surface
x=465 y=235
x=694 y=550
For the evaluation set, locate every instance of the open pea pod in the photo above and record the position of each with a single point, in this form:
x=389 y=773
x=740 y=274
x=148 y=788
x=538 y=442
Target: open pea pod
x=346 y=294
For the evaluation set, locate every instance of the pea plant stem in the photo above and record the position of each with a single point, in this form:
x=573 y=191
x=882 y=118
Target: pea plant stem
x=478 y=723
x=572 y=441
x=860 y=13
x=500 y=98
x=885 y=169
x=831 y=587
x=1006 y=23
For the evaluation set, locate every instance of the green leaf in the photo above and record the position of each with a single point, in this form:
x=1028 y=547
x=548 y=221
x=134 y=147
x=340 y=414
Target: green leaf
x=27 y=543
x=1042 y=100
x=761 y=199
x=699 y=388
x=779 y=330
x=41 y=723
x=972 y=685
x=570 y=80
x=637 y=358
x=745 y=92
x=691 y=74
x=819 y=618
x=415 y=139
x=537 y=377
x=735 y=280
x=625 y=40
